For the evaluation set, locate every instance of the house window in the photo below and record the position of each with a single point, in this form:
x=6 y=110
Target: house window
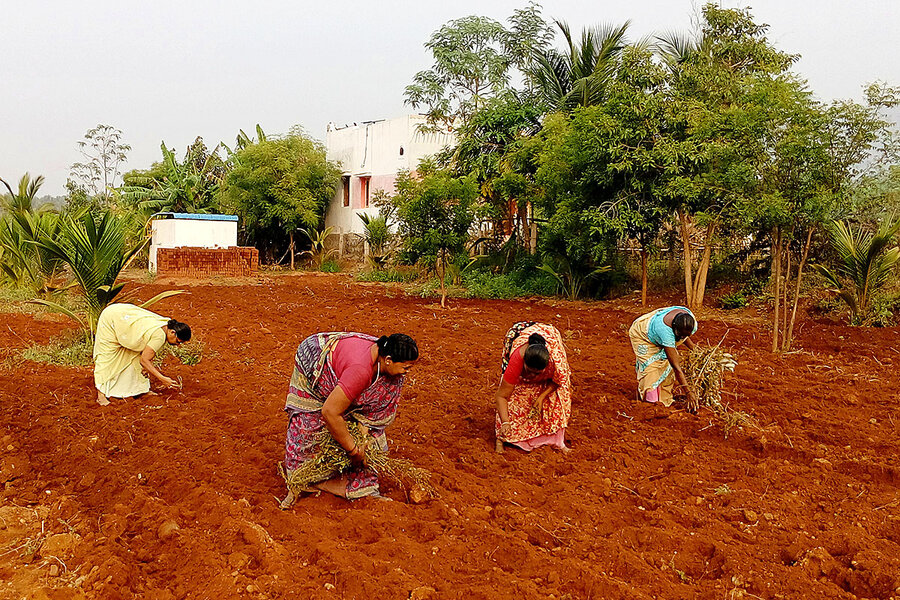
x=364 y=192
x=401 y=150
x=345 y=182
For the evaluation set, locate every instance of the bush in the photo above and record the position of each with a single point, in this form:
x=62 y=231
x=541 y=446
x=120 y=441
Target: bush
x=330 y=266
x=518 y=283
x=733 y=300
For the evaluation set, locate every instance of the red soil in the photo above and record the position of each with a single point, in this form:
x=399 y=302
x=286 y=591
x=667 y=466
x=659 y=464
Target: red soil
x=174 y=496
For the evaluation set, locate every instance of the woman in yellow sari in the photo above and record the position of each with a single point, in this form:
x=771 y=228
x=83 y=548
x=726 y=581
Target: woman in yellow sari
x=654 y=339
x=127 y=339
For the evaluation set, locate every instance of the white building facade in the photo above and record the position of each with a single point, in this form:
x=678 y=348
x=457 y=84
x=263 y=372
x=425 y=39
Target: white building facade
x=370 y=154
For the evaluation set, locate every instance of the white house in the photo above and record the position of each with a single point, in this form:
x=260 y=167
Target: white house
x=370 y=154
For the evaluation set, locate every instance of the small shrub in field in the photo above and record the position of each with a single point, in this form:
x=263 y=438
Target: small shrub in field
x=70 y=349
x=733 y=300
x=330 y=266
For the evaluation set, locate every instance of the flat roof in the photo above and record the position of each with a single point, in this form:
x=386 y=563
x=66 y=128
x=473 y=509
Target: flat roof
x=194 y=216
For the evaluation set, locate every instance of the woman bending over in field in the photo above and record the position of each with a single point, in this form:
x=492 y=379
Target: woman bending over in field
x=654 y=339
x=534 y=399
x=127 y=339
x=340 y=378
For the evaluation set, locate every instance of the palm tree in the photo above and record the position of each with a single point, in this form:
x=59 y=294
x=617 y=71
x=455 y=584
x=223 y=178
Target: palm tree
x=864 y=265
x=95 y=253
x=578 y=75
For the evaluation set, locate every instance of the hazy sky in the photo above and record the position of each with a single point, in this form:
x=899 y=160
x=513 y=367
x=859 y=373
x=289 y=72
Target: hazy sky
x=175 y=70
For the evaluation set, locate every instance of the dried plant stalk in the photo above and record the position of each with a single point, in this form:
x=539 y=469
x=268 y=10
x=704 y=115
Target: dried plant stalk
x=704 y=368
x=332 y=460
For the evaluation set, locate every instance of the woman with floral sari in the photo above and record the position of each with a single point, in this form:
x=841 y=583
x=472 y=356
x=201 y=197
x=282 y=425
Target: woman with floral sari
x=340 y=378
x=534 y=399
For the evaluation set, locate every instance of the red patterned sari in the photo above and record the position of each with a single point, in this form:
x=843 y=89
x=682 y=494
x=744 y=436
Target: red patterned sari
x=527 y=429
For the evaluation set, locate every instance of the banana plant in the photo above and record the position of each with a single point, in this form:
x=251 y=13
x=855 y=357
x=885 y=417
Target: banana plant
x=864 y=264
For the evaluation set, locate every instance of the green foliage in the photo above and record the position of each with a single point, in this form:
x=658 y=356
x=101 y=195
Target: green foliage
x=191 y=185
x=318 y=254
x=473 y=57
x=387 y=276
x=734 y=300
x=22 y=225
x=280 y=184
x=864 y=265
x=96 y=253
x=377 y=234
x=515 y=284
x=579 y=74
x=434 y=216
x=330 y=266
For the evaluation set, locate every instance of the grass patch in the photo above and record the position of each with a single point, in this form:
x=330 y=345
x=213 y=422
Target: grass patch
x=190 y=353
x=69 y=349
x=388 y=276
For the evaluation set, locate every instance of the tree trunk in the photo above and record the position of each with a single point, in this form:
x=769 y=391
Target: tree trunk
x=703 y=269
x=644 y=277
x=291 y=235
x=688 y=258
x=785 y=285
x=532 y=230
x=443 y=264
x=776 y=277
x=789 y=336
x=672 y=267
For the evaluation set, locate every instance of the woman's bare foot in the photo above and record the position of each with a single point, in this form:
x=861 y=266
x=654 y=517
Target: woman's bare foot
x=288 y=501
x=102 y=400
x=498 y=445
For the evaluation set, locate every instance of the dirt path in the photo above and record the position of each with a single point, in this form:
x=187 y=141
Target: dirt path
x=174 y=496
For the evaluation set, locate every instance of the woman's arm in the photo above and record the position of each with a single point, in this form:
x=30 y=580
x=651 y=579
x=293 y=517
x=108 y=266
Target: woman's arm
x=688 y=343
x=502 y=399
x=675 y=361
x=147 y=355
x=333 y=413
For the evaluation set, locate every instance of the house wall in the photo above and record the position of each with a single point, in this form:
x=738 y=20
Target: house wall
x=372 y=150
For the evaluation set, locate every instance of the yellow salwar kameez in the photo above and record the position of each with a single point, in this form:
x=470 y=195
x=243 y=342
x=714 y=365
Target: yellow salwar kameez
x=123 y=331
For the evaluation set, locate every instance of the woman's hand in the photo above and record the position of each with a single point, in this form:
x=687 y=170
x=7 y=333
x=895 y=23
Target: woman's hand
x=505 y=429
x=691 y=403
x=168 y=381
x=358 y=457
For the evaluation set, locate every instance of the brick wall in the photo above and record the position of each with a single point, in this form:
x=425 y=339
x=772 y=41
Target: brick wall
x=237 y=261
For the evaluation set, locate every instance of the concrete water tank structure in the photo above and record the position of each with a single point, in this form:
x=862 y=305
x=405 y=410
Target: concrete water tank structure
x=187 y=230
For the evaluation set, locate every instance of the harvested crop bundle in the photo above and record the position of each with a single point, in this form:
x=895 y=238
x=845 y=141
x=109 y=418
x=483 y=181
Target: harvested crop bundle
x=703 y=368
x=332 y=460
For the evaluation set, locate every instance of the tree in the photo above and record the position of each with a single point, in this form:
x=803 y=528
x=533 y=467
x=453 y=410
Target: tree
x=578 y=75
x=434 y=215
x=191 y=185
x=473 y=59
x=103 y=152
x=279 y=185
x=722 y=115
